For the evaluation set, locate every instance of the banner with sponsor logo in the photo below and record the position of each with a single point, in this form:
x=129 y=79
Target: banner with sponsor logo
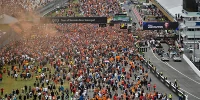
x=74 y=19
x=160 y=25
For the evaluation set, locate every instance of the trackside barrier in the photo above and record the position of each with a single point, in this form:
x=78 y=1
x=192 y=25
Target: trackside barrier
x=138 y=17
x=162 y=79
x=191 y=65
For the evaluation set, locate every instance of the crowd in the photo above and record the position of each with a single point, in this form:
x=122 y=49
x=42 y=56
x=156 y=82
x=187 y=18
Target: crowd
x=91 y=8
x=150 y=12
x=100 y=63
x=87 y=62
x=99 y=8
x=17 y=7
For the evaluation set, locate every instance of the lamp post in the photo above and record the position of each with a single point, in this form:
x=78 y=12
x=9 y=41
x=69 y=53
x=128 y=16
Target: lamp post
x=179 y=35
x=194 y=46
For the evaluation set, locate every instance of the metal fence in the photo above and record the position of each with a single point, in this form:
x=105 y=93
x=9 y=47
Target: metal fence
x=164 y=80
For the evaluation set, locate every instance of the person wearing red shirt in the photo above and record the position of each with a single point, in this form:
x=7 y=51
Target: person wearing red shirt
x=141 y=97
x=115 y=97
x=2 y=91
x=0 y=77
x=74 y=90
x=154 y=87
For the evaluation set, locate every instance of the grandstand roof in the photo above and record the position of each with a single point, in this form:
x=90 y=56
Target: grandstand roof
x=8 y=19
x=172 y=6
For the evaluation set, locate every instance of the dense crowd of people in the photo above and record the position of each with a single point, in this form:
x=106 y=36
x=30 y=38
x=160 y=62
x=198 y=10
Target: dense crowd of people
x=99 y=63
x=91 y=8
x=87 y=62
x=17 y=7
x=150 y=12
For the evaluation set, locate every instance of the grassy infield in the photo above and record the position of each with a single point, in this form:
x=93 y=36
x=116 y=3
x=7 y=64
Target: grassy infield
x=4 y=27
x=9 y=83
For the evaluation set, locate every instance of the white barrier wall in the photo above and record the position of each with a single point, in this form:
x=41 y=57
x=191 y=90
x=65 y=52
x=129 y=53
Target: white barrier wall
x=191 y=65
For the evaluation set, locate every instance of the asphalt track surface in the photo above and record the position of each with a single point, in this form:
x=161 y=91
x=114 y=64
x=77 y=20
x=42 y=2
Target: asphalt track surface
x=51 y=6
x=131 y=14
x=187 y=79
x=160 y=86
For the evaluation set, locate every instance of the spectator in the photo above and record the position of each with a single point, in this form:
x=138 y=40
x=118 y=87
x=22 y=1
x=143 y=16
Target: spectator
x=2 y=89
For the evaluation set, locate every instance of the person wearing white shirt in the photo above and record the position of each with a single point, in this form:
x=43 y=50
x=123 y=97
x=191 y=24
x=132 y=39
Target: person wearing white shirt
x=37 y=88
x=43 y=89
x=76 y=94
x=46 y=89
x=116 y=75
x=46 y=97
x=100 y=95
x=104 y=79
x=29 y=67
x=159 y=95
x=136 y=95
x=16 y=76
x=39 y=93
x=50 y=97
x=47 y=81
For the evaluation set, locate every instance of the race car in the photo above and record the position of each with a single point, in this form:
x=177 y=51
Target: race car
x=165 y=57
x=177 y=58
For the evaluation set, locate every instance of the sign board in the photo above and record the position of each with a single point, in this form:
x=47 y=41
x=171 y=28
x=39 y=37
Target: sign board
x=118 y=19
x=74 y=19
x=160 y=25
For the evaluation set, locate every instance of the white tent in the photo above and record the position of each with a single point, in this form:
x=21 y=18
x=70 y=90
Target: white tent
x=6 y=19
x=172 y=6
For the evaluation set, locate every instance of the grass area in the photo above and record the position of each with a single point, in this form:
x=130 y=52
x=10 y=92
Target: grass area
x=9 y=83
x=4 y=27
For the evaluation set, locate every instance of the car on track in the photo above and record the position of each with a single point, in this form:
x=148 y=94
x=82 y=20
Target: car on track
x=177 y=58
x=165 y=57
x=159 y=45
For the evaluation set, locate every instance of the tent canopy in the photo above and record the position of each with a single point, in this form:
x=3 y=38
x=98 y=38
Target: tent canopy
x=172 y=6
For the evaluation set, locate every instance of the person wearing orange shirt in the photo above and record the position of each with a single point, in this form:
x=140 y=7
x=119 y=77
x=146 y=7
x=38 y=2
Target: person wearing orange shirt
x=104 y=97
x=100 y=98
x=124 y=96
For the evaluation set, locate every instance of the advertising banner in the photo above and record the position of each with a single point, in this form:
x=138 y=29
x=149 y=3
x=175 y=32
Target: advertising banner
x=118 y=19
x=74 y=19
x=160 y=25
